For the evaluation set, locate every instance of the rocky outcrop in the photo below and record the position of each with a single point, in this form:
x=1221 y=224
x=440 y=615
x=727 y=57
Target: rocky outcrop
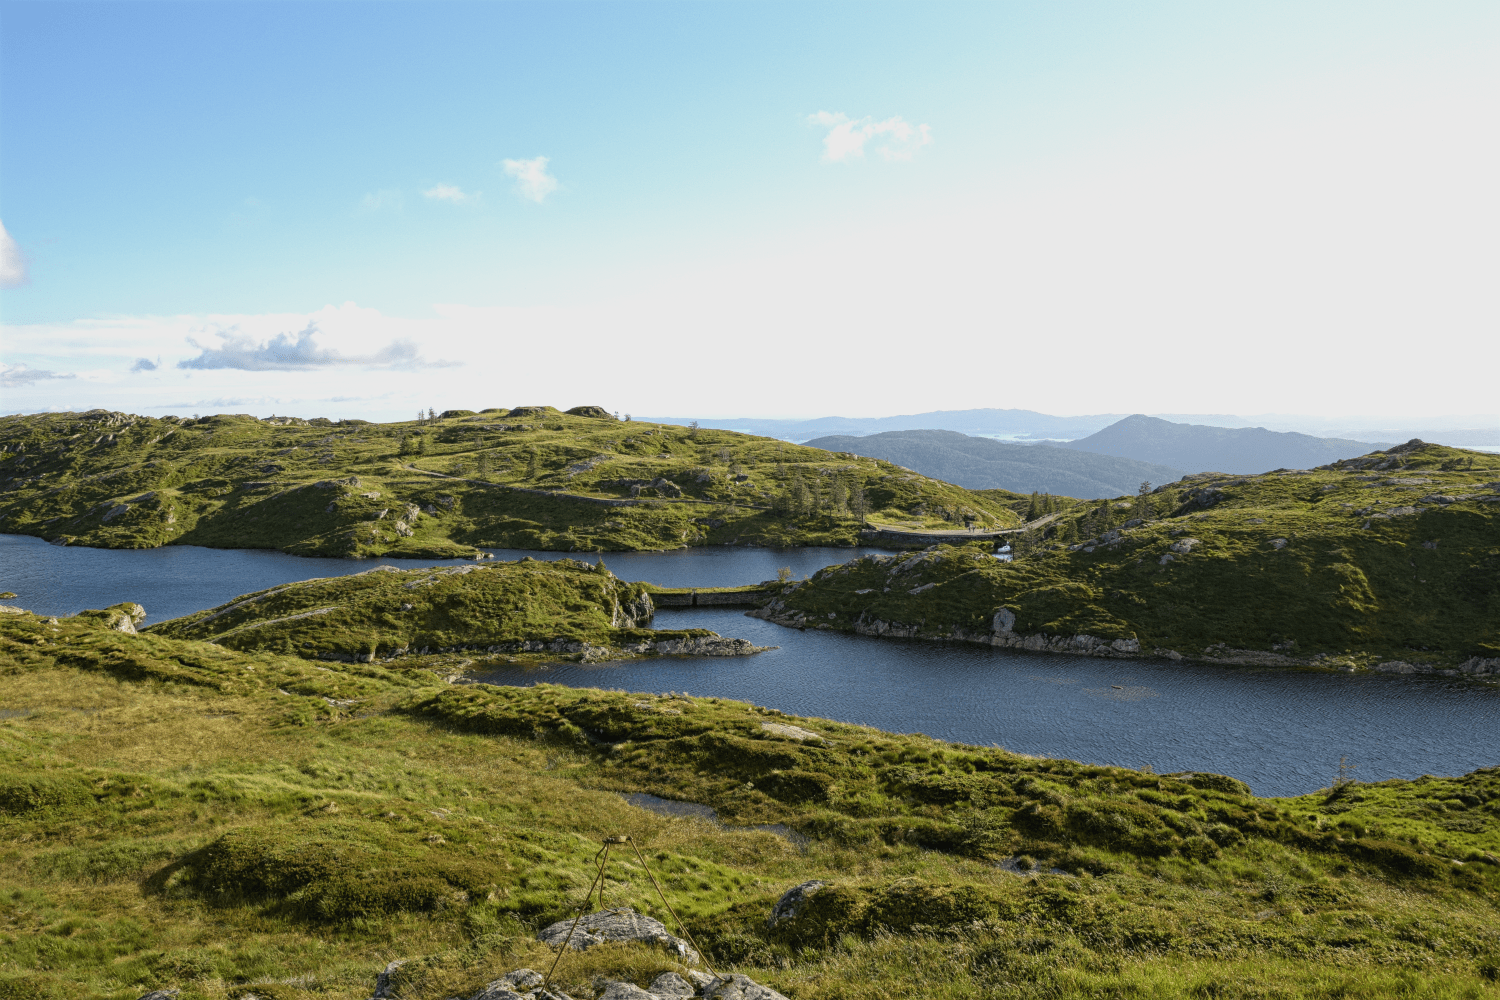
x=792 y=901
x=707 y=645
x=615 y=925
x=524 y=984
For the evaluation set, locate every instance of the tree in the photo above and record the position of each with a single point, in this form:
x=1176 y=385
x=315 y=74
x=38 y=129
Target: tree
x=840 y=496
x=531 y=465
x=802 y=498
x=1143 y=501
x=484 y=465
x=421 y=418
x=859 y=504
x=783 y=574
x=431 y=415
x=403 y=445
x=422 y=445
x=693 y=429
x=1034 y=511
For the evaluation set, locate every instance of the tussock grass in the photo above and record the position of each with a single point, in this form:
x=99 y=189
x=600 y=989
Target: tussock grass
x=169 y=817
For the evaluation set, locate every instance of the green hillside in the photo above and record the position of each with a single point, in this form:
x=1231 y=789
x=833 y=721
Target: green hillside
x=1391 y=558
x=567 y=608
x=180 y=815
x=532 y=477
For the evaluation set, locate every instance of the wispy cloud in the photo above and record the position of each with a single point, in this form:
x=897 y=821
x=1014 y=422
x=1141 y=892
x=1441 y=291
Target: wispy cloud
x=145 y=365
x=15 y=376
x=450 y=193
x=376 y=201
x=298 y=352
x=532 y=180
x=894 y=138
x=13 y=272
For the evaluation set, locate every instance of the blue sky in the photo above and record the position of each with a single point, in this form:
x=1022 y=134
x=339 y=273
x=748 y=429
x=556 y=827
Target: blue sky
x=743 y=208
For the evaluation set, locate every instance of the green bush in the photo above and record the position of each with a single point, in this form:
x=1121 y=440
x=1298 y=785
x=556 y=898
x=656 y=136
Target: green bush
x=26 y=793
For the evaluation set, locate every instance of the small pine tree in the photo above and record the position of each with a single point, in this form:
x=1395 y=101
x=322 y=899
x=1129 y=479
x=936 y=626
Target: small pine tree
x=1034 y=511
x=1143 y=501
x=422 y=445
x=802 y=499
x=484 y=465
x=403 y=445
x=859 y=504
x=531 y=465
x=840 y=496
x=431 y=415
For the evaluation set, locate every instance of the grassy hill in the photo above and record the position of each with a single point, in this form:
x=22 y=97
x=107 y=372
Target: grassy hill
x=1197 y=448
x=982 y=464
x=177 y=814
x=560 y=607
x=533 y=477
x=1390 y=558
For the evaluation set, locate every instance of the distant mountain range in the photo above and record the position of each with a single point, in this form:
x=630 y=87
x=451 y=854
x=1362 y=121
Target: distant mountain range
x=978 y=463
x=1107 y=463
x=1198 y=448
x=1031 y=426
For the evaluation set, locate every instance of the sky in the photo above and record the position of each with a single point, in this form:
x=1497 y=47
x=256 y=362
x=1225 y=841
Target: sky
x=750 y=209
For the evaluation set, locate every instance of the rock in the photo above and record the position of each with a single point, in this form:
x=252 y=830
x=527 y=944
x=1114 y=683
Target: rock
x=1169 y=557
x=739 y=987
x=383 y=985
x=129 y=617
x=1004 y=621
x=625 y=991
x=792 y=901
x=790 y=732
x=115 y=512
x=403 y=529
x=497 y=991
x=1429 y=545
x=708 y=645
x=670 y=984
x=666 y=487
x=616 y=925
x=161 y=995
x=1184 y=545
x=1278 y=543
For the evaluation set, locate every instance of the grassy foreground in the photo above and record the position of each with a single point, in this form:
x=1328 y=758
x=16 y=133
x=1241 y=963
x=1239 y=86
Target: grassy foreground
x=1390 y=558
x=531 y=478
x=180 y=814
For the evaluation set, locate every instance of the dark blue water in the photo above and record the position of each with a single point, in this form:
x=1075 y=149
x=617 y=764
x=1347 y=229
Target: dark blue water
x=176 y=580
x=1283 y=731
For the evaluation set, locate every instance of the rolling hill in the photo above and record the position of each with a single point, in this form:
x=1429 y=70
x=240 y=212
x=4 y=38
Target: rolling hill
x=982 y=464
x=532 y=477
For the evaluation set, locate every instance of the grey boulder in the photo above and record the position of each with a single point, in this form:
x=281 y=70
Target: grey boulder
x=616 y=925
x=670 y=984
x=792 y=901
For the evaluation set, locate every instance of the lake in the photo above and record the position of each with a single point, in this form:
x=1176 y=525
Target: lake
x=1282 y=731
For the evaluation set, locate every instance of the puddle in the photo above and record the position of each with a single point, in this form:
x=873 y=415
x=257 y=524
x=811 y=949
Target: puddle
x=696 y=810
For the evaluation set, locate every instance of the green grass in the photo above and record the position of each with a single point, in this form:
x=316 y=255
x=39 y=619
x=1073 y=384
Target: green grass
x=386 y=612
x=406 y=489
x=180 y=814
x=1345 y=566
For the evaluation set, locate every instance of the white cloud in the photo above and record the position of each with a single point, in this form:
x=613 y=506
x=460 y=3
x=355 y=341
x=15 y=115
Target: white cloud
x=299 y=352
x=894 y=138
x=449 y=193
x=12 y=262
x=15 y=376
x=532 y=180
